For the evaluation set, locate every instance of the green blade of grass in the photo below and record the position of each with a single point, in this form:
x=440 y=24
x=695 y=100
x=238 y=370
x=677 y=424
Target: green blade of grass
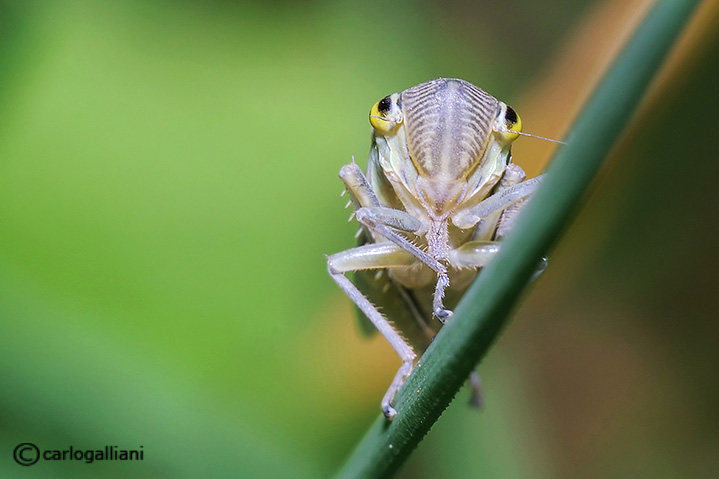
x=484 y=310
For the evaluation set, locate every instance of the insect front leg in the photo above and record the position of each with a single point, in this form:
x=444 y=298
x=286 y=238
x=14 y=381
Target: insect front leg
x=500 y=200
x=358 y=187
x=387 y=222
x=372 y=256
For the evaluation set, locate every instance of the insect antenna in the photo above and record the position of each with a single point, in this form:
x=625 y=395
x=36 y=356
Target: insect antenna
x=537 y=137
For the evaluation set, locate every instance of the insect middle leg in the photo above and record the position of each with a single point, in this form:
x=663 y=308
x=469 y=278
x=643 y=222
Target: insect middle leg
x=375 y=256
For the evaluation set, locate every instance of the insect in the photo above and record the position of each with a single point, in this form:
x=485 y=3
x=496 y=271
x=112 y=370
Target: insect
x=439 y=193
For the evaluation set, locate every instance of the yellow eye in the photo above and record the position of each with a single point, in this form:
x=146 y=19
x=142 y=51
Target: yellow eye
x=512 y=125
x=385 y=117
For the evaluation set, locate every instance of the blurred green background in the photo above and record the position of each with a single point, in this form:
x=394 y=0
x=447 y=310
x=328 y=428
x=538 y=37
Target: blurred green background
x=168 y=191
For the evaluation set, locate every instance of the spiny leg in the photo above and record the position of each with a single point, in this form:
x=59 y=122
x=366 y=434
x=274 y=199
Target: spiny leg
x=437 y=301
x=358 y=187
x=385 y=221
x=376 y=255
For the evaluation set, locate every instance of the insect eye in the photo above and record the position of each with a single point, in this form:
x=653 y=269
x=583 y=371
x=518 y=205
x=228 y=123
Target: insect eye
x=512 y=125
x=384 y=104
x=385 y=116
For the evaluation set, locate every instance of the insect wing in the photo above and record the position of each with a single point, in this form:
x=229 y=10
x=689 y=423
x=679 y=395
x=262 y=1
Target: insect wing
x=408 y=315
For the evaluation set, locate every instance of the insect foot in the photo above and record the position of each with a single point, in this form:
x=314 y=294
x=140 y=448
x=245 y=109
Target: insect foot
x=388 y=411
x=402 y=374
x=438 y=309
x=443 y=315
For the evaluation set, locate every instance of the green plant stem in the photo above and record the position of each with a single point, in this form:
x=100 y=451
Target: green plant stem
x=484 y=310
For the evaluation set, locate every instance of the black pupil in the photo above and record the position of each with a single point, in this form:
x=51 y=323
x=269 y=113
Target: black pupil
x=384 y=104
x=510 y=116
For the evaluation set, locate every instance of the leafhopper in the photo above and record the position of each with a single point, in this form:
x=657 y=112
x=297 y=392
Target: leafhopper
x=439 y=193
